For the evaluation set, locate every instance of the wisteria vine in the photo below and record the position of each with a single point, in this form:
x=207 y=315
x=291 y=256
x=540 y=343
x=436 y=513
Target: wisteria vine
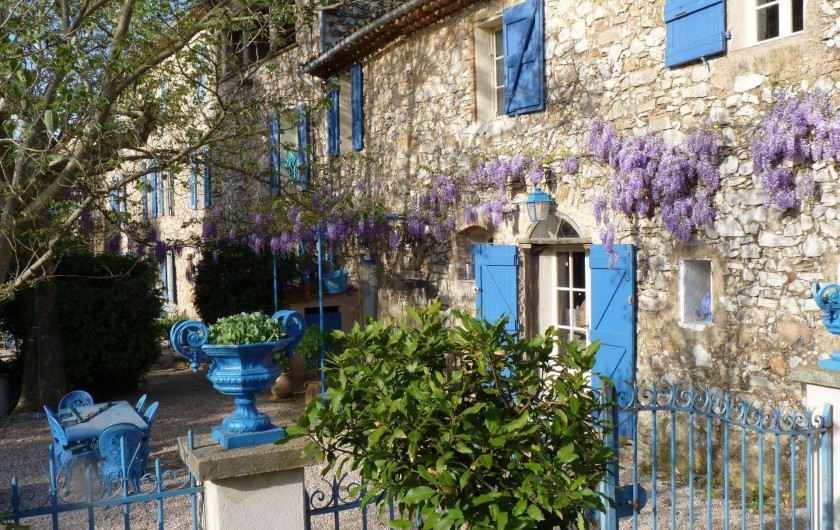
x=647 y=176
x=800 y=130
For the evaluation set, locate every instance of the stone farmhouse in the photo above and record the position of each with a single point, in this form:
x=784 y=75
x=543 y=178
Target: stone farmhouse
x=430 y=86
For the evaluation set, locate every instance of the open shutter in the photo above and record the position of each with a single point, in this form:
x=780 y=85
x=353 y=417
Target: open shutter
x=522 y=27
x=207 y=175
x=115 y=196
x=496 y=273
x=694 y=29
x=144 y=197
x=123 y=196
x=274 y=153
x=163 y=280
x=357 y=109
x=613 y=309
x=333 y=124
x=153 y=177
x=193 y=183
x=303 y=146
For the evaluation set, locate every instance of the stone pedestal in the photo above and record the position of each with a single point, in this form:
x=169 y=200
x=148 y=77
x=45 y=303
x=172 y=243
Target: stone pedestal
x=258 y=488
x=823 y=387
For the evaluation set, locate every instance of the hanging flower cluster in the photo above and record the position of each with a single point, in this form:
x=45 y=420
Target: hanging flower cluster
x=800 y=130
x=647 y=174
x=498 y=177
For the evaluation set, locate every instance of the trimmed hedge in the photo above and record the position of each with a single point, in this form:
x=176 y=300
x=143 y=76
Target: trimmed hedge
x=109 y=306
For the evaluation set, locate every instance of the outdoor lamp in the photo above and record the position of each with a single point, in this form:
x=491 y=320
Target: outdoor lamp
x=538 y=204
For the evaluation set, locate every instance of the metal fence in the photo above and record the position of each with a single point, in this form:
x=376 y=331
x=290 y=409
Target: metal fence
x=47 y=504
x=337 y=503
x=719 y=461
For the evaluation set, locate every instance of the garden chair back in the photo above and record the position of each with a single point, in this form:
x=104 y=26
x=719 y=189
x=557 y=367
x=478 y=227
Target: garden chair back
x=116 y=456
x=149 y=415
x=140 y=402
x=76 y=398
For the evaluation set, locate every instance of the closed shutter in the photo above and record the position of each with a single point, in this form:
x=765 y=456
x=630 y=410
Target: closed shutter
x=115 y=196
x=524 y=49
x=207 y=177
x=303 y=146
x=193 y=183
x=333 y=124
x=496 y=280
x=274 y=153
x=694 y=29
x=613 y=309
x=357 y=109
x=163 y=280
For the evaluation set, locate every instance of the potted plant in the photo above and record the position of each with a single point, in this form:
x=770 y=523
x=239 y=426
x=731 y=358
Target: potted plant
x=309 y=349
x=283 y=386
x=241 y=351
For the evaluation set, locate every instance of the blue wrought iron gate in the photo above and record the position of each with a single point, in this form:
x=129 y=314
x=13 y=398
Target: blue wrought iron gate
x=720 y=461
x=83 y=504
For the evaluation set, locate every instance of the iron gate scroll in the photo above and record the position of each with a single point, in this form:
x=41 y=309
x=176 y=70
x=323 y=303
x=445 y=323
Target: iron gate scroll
x=30 y=505
x=715 y=449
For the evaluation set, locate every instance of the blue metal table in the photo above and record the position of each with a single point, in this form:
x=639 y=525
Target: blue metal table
x=102 y=416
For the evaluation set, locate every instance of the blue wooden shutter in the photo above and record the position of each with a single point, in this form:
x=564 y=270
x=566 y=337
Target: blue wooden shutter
x=153 y=177
x=694 y=29
x=115 y=196
x=613 y=310
x=303 y=145
x=123 y=196
x=524 y=49
x=333 y=124
x=274 y=153
x=357 y=107
x=144 y=198
x=163 y=283
x=207 y=177
x=201 y=88
x=496 y=272
x=193 y=183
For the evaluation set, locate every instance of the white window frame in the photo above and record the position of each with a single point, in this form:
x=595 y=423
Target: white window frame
x=743 y=17
x=568 y=253
x=485 y=70
x=688 y=321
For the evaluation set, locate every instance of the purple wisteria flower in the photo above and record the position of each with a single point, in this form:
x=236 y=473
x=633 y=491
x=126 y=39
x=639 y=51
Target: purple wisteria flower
x=571 y=166
x=161 y=249
x=208 y=230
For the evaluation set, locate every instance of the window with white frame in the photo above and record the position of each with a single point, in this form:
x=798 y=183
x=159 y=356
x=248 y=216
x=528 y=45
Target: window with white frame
x=696 y=291
x=778 y=18
x=571 y=296
x=499 y=70
x=489 y=70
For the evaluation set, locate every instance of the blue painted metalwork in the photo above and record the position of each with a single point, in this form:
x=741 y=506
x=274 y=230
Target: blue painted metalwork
x=140 y=404
x=240 y=371
x=93 y=419
x=76 y=398
x=29 y=505
x=828 y=298
x=120 y=451
x=68 y=452
x=723 y=413
x=341 y=495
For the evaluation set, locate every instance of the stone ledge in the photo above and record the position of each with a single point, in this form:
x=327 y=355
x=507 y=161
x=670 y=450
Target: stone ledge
x=210 y=461
x=817 y=376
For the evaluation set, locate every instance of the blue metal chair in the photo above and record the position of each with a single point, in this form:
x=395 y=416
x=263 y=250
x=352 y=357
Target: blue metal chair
x=149 y=415
x=76 y=398
x=67 y=454
x=140 y=402
x=120 y=461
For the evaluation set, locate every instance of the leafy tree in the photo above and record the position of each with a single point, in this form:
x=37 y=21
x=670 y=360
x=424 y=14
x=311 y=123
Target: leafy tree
x=466 y=426
x=92 y=87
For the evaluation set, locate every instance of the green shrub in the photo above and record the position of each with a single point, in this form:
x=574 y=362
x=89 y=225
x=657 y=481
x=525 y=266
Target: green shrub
x=245 y=328
x=466 y=426
x=231 y=279
x=109 y=306
x=309 y=348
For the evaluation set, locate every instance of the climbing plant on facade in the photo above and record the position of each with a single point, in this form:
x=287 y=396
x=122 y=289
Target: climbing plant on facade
x=800 y=130
x=650 y=178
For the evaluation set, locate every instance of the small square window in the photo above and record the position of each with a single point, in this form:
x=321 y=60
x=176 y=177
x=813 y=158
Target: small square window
x=778 y=18
x=696 y=291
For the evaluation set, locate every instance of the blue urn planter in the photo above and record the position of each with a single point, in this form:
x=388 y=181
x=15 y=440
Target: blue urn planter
x=240 y=371
x=828 y=298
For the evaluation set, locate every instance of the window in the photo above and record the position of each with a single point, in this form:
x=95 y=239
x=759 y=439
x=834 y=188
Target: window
x=344 y=117
x=571 y=296
x=778 y=18
x=696 y=292
x=260 y=33
x=167 y=278
x=282 y=139
x=510 y=62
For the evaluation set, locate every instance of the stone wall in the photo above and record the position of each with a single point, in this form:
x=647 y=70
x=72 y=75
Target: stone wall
x=606 y=60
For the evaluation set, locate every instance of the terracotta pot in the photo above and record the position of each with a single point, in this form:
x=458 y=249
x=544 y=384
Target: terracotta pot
x=313 y=388
x=283 y=387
